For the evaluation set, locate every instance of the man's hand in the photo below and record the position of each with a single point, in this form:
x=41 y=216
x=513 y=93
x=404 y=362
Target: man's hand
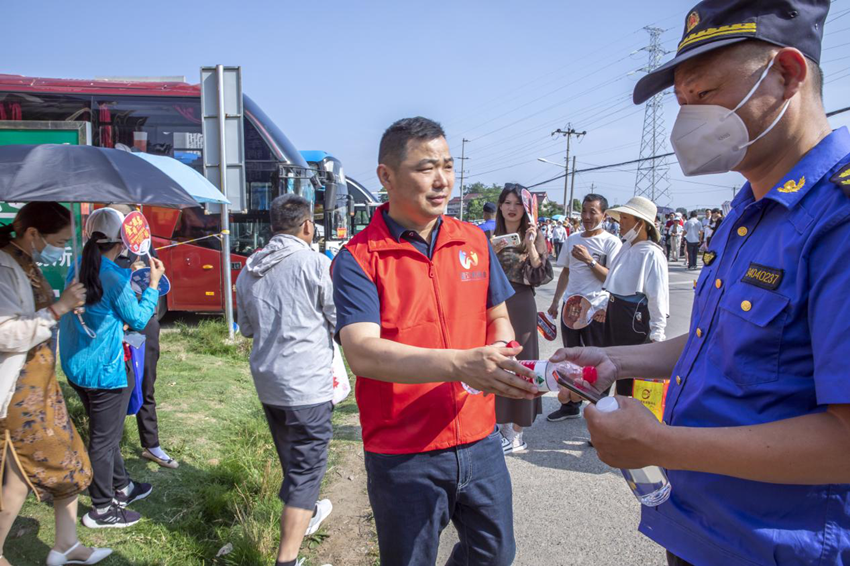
x=606 y=370
x=492 y=370
x=627 y=437
x=600 y=315
x=580 y=253
x=553 y=309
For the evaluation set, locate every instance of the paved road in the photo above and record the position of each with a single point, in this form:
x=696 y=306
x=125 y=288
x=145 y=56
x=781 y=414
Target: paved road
x=569 y=507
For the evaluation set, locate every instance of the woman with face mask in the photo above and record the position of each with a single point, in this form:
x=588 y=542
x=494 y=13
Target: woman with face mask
x=637 y=282
x=42 y=451
x=96 y=367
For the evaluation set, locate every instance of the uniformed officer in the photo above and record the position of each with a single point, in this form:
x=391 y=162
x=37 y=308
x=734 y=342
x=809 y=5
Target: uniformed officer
x=756 y=437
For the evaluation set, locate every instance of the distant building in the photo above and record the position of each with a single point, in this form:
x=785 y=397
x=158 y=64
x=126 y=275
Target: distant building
x=542 y=197
x=453 y=208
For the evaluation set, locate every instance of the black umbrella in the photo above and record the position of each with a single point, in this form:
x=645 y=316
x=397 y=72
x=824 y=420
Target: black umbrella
x=84 y=173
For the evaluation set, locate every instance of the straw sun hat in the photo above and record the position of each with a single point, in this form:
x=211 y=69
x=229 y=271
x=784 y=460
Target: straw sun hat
x=642 y=208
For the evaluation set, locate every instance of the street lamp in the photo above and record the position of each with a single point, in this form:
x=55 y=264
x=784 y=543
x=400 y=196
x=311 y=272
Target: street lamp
x=551 y=162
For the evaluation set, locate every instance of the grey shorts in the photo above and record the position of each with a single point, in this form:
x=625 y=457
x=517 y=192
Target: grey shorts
x=301 y=437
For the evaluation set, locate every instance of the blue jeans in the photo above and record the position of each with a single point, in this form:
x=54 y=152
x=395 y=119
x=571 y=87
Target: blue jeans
x=414 y=496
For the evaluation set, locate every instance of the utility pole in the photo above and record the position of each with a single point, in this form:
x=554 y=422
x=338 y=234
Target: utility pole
x=652 y=179
x=569 y=133
x=734 y=192
x=572 y=188
x=463 y=159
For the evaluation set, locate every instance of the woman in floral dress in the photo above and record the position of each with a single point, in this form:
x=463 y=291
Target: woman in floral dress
x=41 y=450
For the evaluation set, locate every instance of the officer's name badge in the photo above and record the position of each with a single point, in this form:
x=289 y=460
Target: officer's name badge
x=762 y=276
x=708 y=257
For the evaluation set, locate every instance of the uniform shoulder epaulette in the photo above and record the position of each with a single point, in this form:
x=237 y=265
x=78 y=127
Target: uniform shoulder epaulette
x=842 y=179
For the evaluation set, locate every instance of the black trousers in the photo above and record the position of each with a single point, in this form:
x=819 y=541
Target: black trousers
x=693 y=252
x=557 y=245
x=106 y=410
x=626 y=324
x=146 y=417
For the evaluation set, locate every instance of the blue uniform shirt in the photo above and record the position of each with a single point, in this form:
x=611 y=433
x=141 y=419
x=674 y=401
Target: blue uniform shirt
x=357 y=299
x=769 y=339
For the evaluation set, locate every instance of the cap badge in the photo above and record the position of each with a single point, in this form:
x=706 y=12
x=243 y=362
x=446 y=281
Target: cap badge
x=792 y=186
x=693 y=21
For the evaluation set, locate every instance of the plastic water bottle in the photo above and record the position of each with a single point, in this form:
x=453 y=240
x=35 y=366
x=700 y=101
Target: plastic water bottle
x=545 y=373
x=650 y=485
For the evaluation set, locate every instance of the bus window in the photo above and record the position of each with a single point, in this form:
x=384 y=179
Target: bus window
x=164 y=126
x=44 y=107
x=194 y=223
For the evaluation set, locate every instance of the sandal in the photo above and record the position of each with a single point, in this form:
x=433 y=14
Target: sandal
x=169 y=463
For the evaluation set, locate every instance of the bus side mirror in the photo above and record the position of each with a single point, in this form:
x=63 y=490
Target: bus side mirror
x=351 y=204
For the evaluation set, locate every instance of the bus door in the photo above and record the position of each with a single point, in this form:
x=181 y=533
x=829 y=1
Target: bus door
x=196 y=267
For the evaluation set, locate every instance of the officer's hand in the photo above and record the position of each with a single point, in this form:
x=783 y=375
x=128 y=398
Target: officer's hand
x=491 y=370
x=627 y=437
x=607 y=372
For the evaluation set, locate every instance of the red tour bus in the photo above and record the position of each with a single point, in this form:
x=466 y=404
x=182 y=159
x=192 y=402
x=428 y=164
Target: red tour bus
x=165 y=118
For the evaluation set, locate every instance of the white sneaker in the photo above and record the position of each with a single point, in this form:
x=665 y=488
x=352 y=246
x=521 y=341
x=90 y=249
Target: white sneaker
x=508 y=433
x=323 y=509
x=518 y=444
x=60 y=558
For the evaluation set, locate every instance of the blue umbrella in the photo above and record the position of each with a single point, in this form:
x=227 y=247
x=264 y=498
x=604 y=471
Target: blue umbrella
x=558 y=217
x=189 y=179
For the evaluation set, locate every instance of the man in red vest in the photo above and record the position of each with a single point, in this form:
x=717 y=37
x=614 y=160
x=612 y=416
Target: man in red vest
x=420 y=312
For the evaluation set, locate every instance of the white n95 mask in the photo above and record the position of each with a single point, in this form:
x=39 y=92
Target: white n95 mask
x=710 y=139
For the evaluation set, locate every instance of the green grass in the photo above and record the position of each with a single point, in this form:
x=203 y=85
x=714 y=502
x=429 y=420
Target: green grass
x=225 y=490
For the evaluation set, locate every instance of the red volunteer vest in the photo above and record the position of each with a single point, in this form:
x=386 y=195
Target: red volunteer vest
x=439 y=303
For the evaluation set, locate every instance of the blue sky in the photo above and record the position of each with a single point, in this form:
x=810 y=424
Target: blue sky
x=333 y=75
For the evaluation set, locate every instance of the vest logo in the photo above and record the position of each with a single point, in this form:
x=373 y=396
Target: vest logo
x=467 y=259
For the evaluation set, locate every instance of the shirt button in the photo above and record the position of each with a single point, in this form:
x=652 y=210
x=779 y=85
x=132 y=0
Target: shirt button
x=678 y=380
x=746 y=306
x=718 y=283
x=742 y=231
x=699 y=333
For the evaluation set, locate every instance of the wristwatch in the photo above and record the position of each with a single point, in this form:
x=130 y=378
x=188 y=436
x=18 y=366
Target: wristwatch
x=592 y=264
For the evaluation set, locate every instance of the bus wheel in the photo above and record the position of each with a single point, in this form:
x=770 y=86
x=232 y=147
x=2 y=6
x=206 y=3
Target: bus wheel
x=161 y=308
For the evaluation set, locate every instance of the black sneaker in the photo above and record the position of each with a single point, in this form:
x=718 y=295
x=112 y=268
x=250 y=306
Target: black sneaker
x=140 y=491
x=113 y=518
x=571 y=410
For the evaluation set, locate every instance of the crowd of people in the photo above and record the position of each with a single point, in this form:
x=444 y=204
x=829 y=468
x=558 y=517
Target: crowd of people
x=435 y=316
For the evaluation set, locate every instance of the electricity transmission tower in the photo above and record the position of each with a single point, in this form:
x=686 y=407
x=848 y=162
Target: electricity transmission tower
x=653 y=180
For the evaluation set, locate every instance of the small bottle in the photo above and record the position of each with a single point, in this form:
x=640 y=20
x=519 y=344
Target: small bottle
x=545 y=374
x=650 y=484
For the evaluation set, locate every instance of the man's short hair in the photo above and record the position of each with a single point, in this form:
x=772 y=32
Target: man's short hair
x=716 y=211
x=593 y=197
x=288 y=212
x=393 y=148
x=694 y=214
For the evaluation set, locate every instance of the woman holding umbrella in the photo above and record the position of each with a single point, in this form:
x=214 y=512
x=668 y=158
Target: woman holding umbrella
x=96 y=368
x=41 y=449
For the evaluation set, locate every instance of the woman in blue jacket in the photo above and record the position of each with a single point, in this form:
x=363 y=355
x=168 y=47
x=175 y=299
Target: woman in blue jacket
x=93 y=359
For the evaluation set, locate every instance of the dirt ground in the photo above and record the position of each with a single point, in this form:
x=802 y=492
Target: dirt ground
x=350 y=538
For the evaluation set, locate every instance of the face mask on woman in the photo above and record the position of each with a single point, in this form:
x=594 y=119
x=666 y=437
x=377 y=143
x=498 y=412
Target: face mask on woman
x=49 y=255
x=630 y=236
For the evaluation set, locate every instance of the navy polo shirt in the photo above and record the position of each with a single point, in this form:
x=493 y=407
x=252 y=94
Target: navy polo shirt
x=769 y=337
x=356 y=296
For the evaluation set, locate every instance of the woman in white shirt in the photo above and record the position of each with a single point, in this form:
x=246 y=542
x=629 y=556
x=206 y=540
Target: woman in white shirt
x=637 y=282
